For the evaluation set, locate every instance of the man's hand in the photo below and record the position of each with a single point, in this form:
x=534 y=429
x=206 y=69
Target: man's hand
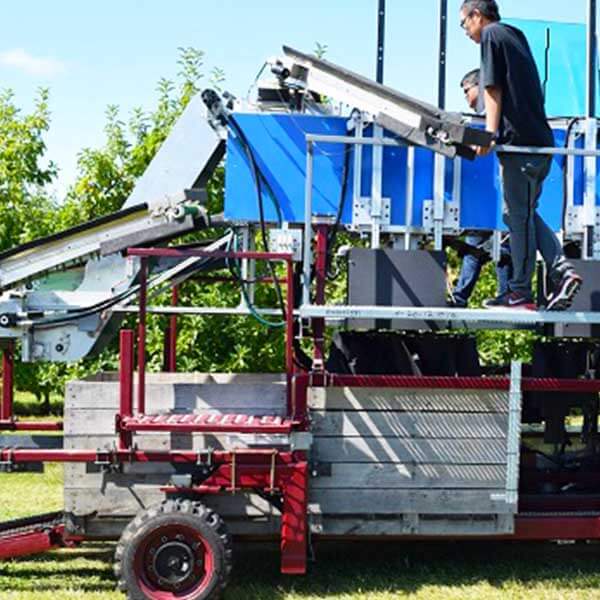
x=484 y=150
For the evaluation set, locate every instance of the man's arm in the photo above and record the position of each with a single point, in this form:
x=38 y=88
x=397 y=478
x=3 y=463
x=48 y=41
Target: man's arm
x=492 y=98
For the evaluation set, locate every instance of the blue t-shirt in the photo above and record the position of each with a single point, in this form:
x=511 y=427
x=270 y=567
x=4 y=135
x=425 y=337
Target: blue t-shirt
x=507 y=62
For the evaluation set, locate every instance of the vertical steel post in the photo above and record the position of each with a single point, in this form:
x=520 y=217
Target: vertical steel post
x=380 y=40
x=592 y=49
x=172 y=345
x=590 y=167
x=126 y=345
x=439 y=161
x=307 y=255
x=142 y=337
x=6 y=407
x=442 y=59
x=289 y=335
x=318 y=325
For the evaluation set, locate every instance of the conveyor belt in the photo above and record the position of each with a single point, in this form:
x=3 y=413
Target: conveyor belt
x=72 y=231
x=417 y=122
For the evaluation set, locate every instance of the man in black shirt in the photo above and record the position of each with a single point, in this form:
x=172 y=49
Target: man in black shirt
x=515 y=114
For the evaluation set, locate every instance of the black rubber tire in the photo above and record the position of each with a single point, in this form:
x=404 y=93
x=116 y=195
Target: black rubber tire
x=168 y=515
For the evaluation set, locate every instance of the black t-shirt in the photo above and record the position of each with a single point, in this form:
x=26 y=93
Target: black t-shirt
x=507 y=62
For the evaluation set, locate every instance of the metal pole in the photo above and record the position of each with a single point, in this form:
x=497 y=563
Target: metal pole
x=142 y=337
x=6 y=407
x=172 y=356
x=380 y=40
x=307 y=255
x=590 y=166
x=126 y=342
x=442 y=53
x=592 y=48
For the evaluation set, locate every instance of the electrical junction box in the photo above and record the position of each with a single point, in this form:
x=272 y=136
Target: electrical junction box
x=288 y=241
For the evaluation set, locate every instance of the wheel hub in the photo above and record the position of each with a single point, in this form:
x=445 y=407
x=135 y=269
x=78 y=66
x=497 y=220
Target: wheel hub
x=173 y=563
x=174 y=559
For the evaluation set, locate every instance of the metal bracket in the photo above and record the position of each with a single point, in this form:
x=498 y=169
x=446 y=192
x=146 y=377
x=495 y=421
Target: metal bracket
x=451 y=222
x=108 y=461
x=300 y=440
x=362 y=212
x=596 y=237
x=8 y=465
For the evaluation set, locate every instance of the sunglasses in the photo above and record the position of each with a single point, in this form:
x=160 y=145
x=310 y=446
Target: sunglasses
x=463 y=22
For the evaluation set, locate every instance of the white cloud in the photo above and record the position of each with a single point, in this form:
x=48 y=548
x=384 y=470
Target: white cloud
x=43 y=66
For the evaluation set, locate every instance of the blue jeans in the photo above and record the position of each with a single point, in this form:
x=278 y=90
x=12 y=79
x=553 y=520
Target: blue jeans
x=472 y=265
x=522 y=179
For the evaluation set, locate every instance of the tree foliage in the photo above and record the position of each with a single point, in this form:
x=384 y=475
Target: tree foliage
x=26 y=209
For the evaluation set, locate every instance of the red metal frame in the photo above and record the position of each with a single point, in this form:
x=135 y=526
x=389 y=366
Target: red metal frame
x=31 y=542
x=8 y=421
x=6 y=407
x=141 y=407
x=126 y=347
x=146 y=253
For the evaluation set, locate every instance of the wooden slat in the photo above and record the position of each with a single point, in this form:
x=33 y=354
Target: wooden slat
x=190 y=377
x=359 y=476
x=403 y=476
x=402 y=424
x=124 y=501
x=102 y=528
x=435 y=502
x=408 y=399
x=355 y=526
x=183 y=396
x=394 y=450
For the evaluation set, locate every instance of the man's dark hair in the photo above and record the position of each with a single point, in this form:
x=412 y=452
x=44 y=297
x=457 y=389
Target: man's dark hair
x=488 y=8
x=470 y=79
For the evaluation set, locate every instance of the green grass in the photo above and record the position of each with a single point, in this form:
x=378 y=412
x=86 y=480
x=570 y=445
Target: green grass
x=343 y=571
x=27 y=405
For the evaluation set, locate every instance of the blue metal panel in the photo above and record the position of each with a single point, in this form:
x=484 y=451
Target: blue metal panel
x=480 y=194
x=279 y=148
x=278 y=144
x=565 y=89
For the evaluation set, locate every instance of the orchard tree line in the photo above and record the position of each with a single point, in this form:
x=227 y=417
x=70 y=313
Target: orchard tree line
x=105 y=178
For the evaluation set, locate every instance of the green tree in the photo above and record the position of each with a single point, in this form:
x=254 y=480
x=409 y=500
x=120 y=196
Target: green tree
x=26 y=208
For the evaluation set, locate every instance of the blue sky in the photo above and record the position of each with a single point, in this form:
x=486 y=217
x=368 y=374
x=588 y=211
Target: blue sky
x=91 y=53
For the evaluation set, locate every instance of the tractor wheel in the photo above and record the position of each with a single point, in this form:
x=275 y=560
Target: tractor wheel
x=175 y=550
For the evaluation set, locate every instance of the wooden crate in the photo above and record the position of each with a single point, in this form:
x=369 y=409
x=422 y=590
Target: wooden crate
x=383 y=461
x=410 y=461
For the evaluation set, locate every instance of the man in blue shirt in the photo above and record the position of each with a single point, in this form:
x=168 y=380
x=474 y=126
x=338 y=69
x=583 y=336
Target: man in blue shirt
x=515 y=114
x=473 y=261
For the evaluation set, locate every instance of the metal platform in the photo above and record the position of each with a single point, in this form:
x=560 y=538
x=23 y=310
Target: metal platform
x=458 y=317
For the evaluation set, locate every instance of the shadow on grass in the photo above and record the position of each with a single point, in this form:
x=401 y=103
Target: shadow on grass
x=359 y=568
x=352 y=569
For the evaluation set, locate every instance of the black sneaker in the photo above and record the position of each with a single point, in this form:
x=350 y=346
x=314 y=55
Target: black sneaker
x=511 y=300
x=565 y=291
x=454 y=302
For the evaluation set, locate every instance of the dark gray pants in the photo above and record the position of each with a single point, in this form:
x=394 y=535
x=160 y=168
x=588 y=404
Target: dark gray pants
x=522 y=179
